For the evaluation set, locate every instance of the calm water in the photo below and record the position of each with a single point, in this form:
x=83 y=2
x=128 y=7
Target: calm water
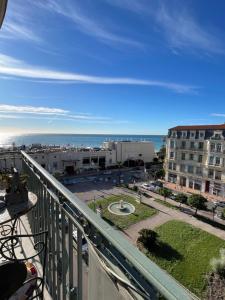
x=77 y=140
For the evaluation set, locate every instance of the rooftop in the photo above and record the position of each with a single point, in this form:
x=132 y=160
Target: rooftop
x=199 y=127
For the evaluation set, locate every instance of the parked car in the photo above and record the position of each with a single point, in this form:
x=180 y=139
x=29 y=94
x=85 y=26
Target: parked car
x=219 y=203
x=145 y=186
x=173 y=196
x=84 y=242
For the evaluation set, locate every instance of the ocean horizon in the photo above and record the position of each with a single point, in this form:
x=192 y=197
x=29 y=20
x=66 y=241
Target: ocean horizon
x=75 y=140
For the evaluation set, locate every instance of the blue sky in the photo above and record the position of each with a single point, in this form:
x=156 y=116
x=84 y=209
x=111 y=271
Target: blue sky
x=121 y=66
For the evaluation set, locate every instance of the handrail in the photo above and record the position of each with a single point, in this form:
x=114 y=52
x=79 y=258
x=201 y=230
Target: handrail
x=159 y=279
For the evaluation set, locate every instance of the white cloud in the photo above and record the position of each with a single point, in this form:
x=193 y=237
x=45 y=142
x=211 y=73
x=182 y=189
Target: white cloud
x=184 y=32
x=218 y=115
x=31 y=110
x=20 y=23
x=49 y=113
x=23 y=70
x=86 y=23
x=178 y=25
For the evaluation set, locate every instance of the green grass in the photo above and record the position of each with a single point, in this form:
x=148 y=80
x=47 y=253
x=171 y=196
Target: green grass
x=185 y=252
x=167 y=204
x=142 y=211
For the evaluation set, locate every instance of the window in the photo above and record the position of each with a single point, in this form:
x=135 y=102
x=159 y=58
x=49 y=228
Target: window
x=192 y=145
x=192 y=134
x=211 y=160
x=86 y=161
x=172 y=178
x=174 y=167
x=200 y=158
x=199 y=171
x=197 y=185
x=55 y=165
x=218 y=175
x=182 y=156
x=190 y=169
x=191 y=156
x=191 y=184
x=183 y=145
x=170 y=165
x=200 y=145
x=218 y=147
x=174 y=134
x=171 y=155
x=184 y=134
x=217 y=161
x=182 y=168
x=201 y=134
x=172 y=144
x=212 y=147
x=210 y=173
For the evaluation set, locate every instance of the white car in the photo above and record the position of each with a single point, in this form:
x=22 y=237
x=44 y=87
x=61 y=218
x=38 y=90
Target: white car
x=145 y=186
x=84 y=242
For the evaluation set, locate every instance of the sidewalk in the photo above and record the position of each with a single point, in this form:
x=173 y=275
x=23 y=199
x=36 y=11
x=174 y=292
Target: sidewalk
x=166 y=214
x=182 y=189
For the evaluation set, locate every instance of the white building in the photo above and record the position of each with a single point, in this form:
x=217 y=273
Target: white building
x=195 y=158
x=77 y=160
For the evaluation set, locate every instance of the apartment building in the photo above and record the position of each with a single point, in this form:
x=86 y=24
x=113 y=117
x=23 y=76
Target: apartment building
x=195 y=158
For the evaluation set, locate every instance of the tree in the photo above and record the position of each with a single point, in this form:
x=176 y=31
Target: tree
x=162 y=153
x=160 y=174
x=165 y=192
x=223 y=214
x=197 y=201
x=181 y=198
x=147 y=238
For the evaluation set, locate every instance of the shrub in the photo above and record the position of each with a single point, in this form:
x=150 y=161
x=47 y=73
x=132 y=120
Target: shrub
x=135 y=188
x=165 y=192
x=218 y=264
x=147 y=238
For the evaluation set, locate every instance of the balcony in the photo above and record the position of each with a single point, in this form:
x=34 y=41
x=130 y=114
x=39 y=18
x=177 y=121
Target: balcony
x=73 y=274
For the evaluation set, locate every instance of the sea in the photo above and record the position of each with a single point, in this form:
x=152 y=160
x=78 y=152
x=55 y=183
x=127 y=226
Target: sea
x=75 y=140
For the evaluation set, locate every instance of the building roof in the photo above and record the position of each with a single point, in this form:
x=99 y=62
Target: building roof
x=3 y=5
x=199 y=127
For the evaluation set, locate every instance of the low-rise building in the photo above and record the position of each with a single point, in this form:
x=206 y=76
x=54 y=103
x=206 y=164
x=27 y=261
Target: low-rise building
x=195 y=158
x=77 y=160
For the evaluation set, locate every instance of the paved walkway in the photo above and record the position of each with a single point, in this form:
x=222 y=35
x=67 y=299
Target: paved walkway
x=155 y=221
x=165 y=214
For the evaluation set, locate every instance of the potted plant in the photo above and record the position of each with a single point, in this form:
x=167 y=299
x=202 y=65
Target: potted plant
x=15 y=186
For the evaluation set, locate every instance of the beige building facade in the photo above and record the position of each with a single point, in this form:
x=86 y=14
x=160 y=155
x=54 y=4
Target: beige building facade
x=195 y=158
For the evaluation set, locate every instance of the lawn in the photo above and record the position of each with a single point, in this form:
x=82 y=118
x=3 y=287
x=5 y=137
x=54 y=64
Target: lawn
x=167 y=204
x=185 y=252
x=142 y=211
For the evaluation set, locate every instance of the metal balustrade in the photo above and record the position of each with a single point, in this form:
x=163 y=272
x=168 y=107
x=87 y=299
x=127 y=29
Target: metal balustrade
x=67 y=267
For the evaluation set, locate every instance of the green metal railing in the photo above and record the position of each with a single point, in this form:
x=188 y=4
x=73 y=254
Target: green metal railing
x=61 y=213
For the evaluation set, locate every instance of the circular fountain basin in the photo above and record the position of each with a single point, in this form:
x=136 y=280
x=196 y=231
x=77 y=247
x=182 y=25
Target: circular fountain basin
x=121 y=210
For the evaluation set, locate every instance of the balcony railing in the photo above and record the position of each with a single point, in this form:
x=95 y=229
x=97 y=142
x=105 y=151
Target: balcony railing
x=70 y=273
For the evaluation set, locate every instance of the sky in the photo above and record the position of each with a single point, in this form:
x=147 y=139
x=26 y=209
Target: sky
x=113 y=67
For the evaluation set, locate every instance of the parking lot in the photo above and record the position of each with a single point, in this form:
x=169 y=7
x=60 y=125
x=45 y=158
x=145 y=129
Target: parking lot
x=88 y=188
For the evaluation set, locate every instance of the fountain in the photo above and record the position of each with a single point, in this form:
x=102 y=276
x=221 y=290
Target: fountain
x=121 y=208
